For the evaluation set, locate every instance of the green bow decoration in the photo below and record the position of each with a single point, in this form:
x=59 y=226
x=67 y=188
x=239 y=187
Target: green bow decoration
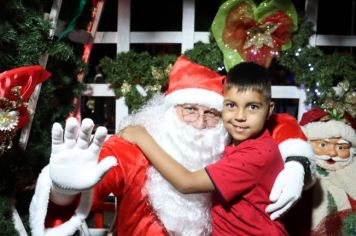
x=246 y=32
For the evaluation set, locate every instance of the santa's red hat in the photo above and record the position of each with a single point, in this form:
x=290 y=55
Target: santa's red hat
x=193 y=83
x=314 y=127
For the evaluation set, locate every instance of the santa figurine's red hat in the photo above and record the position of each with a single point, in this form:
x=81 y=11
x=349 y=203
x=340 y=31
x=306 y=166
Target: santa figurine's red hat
x=194 y=83
x=315 y=127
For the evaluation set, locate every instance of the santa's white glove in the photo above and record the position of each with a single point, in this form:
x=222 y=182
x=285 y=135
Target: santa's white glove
x=74 y=166
x=286 y=190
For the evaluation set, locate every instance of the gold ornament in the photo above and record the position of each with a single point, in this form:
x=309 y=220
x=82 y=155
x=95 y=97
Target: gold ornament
x=168 y=69
x=342 y=102
x=125 y=88
x=158 y=74
x=259 y=36
x=9 y=118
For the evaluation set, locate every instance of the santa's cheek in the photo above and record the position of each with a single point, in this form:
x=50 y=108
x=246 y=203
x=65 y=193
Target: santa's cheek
x=345 y=154
x=319 y=150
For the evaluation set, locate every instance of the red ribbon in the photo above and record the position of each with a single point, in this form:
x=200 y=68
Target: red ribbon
x=27 y=77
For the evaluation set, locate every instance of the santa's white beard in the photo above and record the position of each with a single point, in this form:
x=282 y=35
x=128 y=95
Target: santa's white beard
x=181 y=214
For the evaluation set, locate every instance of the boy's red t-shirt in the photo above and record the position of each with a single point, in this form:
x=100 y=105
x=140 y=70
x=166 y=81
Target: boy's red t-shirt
x=243 y=180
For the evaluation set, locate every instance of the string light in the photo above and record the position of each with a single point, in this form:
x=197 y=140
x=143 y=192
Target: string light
x=297 y=54
x=221 y=68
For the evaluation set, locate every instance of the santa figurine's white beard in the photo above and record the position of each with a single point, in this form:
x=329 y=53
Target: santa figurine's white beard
x=181 y=214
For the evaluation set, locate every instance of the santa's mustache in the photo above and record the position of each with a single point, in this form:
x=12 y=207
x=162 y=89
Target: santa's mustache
x=329 y=158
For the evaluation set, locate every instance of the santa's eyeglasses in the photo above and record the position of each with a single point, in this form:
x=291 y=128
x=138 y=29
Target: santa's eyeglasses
x=192 y=113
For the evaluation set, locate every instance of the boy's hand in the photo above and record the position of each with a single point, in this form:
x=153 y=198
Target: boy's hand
x=74 y=166
x=133 y=133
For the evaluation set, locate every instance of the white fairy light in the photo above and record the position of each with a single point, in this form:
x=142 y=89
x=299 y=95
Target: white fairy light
x=141 y=90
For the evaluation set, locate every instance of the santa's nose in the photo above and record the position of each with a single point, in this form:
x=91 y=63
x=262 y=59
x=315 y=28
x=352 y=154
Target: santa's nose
x=332 y=151
x=200 y=123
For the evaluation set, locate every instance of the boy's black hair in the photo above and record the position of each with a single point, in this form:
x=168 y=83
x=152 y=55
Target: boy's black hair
x=250 y=76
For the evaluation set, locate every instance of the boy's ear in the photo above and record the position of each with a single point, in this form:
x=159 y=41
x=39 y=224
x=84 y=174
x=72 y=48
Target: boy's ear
x=270 y=109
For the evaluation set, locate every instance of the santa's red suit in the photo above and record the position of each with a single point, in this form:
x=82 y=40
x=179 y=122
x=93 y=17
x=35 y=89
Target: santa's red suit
x=147 y=204
x=135 y=214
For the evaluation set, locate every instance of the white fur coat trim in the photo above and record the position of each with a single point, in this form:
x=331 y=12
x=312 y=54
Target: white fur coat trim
x=296 y=147
x=39 y=205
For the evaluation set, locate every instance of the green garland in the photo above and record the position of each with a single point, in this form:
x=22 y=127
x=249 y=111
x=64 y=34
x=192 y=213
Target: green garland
x=319 y=72
x=208 y=55
x=130 y=70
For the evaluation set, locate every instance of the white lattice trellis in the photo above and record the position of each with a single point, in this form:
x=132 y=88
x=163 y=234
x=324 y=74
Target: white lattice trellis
x=124 y=37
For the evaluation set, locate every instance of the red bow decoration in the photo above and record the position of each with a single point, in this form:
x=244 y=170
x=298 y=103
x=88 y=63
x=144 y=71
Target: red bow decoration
x=16 y=87
x=256 y=41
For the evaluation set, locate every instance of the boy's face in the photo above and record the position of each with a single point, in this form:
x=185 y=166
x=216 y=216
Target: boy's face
x=245 y=113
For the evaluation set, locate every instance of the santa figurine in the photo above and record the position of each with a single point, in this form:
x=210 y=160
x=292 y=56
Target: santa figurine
x=334 y=193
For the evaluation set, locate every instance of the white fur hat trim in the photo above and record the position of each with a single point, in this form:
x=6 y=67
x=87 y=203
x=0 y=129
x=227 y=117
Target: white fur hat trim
x=329 y=129
x=195 y=96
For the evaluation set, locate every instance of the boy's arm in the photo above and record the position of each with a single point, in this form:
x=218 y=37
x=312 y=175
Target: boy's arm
x=181 y=178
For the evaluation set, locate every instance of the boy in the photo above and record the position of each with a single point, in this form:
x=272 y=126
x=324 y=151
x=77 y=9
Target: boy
x=243 y=178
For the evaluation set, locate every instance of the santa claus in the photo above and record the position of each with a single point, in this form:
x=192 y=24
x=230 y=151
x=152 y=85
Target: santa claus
x=334 y=194
x=147 y=203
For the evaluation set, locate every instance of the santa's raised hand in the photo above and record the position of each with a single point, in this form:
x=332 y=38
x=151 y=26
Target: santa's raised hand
x=74 y=163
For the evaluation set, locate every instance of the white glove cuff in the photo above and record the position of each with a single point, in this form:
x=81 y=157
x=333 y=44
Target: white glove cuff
x=64 y=190
x=39 y=207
